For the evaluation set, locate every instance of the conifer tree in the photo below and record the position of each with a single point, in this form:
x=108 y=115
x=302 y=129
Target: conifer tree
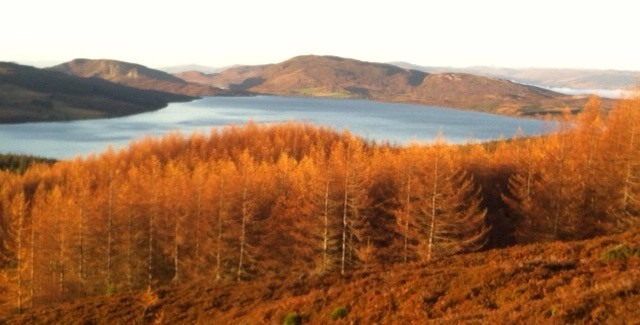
x=443 y=216
x=623 y=153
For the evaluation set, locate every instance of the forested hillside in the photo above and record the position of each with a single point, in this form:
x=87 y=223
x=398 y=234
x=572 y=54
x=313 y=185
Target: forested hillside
x=250 y=202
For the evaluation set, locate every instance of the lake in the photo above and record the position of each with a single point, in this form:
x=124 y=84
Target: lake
x=390 y=122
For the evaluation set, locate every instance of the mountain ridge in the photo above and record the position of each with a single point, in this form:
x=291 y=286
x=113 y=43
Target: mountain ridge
x=135 y=75
x=336 y=77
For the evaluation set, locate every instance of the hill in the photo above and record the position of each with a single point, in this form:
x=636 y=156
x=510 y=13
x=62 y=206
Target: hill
x=576 y=282
x=585 y=79
x=29 y=94
x=329 y=76
x=135 y=75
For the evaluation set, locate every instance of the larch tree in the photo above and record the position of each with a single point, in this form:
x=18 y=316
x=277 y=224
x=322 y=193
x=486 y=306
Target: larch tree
x=292 y=209
x=405 y=210
x=79 y=183
x=623 y=152
x=245 y=211
x=451 y=218
x=322 y=210
x=176 y=183
x=593 y=165
x=318 y=186
x=522 y=188
x=349 y=170
x=152 y=177
x=200 y=209
x=548 y=193
x=18 y=210
x=223 y=192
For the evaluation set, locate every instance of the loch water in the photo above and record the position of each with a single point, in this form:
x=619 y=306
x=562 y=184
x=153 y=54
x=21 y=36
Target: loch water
x=383 y=122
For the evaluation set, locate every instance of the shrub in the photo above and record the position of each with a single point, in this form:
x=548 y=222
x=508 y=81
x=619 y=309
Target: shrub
x=292 y=319
x=619 y=253
x=340 y=312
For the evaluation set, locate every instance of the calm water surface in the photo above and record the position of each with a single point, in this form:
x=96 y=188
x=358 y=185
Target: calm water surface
x=395 y=123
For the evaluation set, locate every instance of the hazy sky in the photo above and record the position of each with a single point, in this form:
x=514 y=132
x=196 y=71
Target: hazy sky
x=512 y=33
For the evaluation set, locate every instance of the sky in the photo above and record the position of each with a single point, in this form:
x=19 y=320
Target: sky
x=455 y=33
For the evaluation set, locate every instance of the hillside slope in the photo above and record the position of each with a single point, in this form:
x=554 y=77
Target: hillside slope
x=491 y=94
x=135 y=75
x=329 y=76
x=30 y=94
x=574 y=282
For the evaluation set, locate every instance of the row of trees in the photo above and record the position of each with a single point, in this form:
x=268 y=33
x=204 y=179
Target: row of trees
x=253 y=201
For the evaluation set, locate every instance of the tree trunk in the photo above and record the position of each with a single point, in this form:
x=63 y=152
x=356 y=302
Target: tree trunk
x=434 y=211
x=344 y=225
x=325 y=236
x=61 y=252
x=32 y=262
x=129 y=251
x=406 y=223
x=152 y=217
x=110 y=235
x=19 y=254
x=81 y=257
x=628 y=180
x=197 y=230
x=220 y=231
x=243 y=232
x=176 y=250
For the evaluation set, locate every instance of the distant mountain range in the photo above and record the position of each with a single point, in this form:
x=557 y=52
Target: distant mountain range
x=335 y=77
x=29 y=94
x=85 y=88
x=582 y=79
x=574 y=79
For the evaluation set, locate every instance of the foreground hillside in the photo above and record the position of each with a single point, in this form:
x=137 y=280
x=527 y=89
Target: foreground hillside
x=135 y=75
x=328 y=76
x=28 y=94
x=591 y=281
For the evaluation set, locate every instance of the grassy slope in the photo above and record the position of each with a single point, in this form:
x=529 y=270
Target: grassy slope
x=541 y=283
x=29 y=94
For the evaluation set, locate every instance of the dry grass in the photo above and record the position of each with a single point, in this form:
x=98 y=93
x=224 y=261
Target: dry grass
x=541 y=283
